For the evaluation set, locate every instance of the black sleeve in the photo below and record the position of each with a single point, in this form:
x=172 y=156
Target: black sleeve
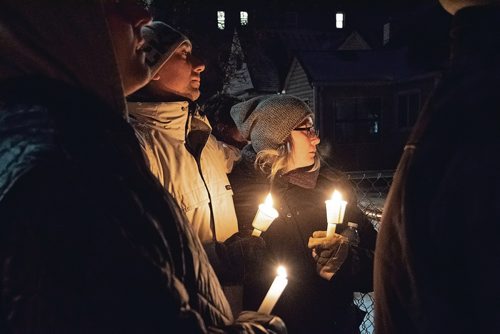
x=249 y=190
x=68 y=267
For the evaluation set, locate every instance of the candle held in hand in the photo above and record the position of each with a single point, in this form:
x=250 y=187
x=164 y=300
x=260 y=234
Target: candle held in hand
x=274 y=292
x=335 y=209
x=264 y=217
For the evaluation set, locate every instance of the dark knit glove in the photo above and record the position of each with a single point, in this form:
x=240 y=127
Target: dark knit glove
x=261 y=323
x=245 y=254
x=329 y=253
x=237 y=258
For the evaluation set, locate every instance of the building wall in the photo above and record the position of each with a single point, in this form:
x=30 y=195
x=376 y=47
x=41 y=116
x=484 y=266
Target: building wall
x=381 y=151
x=297 y=84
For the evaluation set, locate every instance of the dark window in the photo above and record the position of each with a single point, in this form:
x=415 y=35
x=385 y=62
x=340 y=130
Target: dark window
x=408 y=108
x=291 y=19
x=357 y=120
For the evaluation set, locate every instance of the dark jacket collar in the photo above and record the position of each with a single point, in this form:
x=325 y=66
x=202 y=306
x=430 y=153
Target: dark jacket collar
x=302 y=177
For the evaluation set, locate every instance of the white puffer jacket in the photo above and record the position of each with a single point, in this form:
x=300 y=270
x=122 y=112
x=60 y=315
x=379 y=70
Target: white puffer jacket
x=194 y=183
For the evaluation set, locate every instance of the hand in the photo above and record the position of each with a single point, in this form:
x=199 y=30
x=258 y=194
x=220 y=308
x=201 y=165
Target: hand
x=262 y=323
x=329 y=253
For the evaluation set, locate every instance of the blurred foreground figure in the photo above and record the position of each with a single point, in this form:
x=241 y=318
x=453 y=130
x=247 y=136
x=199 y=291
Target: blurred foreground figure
x=89 y=240
x=437 y=263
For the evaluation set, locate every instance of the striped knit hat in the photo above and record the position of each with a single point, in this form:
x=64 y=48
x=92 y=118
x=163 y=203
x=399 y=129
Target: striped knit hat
x=161 y=42
x=268 y=120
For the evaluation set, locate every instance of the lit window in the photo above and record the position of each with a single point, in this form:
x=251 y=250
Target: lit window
x=339 y=20
x=221 y=19
x=387 y=33
x=244 y=18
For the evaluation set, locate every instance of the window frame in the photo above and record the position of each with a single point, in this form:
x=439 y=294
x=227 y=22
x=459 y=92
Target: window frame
x=339 y=23
x=358 y=122
x=408 y=124
x=221 y=20
x=244 y=20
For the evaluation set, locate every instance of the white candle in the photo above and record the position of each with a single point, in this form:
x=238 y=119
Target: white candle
x=335 y=209
x=274 y=292
x=264 y=217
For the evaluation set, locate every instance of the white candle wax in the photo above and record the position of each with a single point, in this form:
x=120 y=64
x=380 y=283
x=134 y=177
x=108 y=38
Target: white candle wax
x=274 y=292
x=330 y=229
x=335 y=210
x=264 y=217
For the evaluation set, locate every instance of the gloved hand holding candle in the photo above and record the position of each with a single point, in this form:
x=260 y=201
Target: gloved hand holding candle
x=329 y=253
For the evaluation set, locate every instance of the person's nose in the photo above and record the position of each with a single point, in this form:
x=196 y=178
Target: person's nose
x=315 y=140
x=198 y=64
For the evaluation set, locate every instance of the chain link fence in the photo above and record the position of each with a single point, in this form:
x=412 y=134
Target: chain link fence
x=372 y=188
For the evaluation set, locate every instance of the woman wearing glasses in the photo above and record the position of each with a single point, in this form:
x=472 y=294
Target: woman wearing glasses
x=282 y=159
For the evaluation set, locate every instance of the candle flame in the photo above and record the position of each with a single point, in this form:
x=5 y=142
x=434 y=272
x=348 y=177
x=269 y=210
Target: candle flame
x=281 y=271
x=269 y=200
x=336 y=196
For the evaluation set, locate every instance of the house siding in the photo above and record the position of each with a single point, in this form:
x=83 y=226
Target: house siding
x=297 y=84
x=386 y=151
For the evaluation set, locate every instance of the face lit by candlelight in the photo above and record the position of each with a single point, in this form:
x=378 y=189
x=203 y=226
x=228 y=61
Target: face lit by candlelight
x=303 y=145
x=181 y=75
x=125 y=20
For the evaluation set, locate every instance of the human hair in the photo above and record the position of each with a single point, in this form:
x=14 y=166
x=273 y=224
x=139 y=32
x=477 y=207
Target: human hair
x=273 y=162
x=217 y=109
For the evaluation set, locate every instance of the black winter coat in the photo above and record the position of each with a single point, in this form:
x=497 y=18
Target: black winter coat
x=437 y=267
x=89 y=241
x=309 y=303
x=250 y=188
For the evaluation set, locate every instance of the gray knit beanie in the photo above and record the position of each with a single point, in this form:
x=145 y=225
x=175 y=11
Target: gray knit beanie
x=161 y=42
x=268 y=120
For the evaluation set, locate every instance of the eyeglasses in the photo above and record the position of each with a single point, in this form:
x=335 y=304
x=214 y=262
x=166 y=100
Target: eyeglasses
x=310 y=131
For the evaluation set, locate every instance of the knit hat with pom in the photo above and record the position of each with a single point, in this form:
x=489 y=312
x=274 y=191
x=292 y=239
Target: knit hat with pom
x=268 y=120
x=161 y=42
